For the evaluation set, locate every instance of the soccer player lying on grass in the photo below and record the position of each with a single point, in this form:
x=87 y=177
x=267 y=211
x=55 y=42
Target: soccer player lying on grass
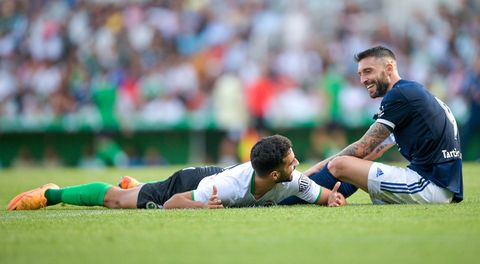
x=267 y=179
x=424 y=129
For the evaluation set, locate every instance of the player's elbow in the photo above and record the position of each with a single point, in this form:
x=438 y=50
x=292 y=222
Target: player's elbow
x=172 y=202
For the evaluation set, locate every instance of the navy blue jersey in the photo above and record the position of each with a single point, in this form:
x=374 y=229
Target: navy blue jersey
x=426 y=134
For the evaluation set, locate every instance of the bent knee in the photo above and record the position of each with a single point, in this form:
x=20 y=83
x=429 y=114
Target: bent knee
x=111 y=204
x=113 y=198
x=338 y=165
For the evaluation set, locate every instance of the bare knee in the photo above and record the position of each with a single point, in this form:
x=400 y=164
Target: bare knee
x=112 y=198
x=338 y=165
x=115 y=198
x=119 y=198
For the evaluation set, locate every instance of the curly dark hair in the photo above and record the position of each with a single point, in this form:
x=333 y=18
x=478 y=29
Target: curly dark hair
x=268 y=153
x=377 y=52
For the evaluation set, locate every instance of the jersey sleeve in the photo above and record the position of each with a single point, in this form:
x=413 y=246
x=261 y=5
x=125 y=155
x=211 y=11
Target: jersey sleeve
x=227 y=189
x=204 y=190
x=306 y=189
x=394 y=109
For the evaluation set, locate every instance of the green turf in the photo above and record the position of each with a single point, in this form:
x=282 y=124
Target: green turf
x=359 y=233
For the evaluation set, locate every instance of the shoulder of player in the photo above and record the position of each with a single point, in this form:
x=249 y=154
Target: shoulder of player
x=404 y=90
x=406 y=86
x=238 y=175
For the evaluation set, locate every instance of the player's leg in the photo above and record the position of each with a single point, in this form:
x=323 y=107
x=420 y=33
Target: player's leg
x=325 y=179
x=351 y=170
x=390 y=184
x=121 y=198
x=32 y=199
x=91 y=194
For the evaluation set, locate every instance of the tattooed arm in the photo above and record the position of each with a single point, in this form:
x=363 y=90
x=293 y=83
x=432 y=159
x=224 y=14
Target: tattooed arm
x=378 y=151
x=368 y=147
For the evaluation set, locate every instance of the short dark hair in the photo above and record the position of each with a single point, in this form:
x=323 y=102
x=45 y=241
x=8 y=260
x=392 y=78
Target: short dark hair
x=268 y=153
x=377 y=52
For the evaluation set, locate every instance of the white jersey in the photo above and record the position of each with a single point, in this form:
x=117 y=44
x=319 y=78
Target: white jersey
x=235 y=188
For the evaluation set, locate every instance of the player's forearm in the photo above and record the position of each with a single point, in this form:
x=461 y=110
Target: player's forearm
x=370 y=141
x=378 y=152
x=316 y=168
x=179 y=201
x=362 y=148
x=355 y=150
x=323 y=200
x=351 y=150
x=359 y=149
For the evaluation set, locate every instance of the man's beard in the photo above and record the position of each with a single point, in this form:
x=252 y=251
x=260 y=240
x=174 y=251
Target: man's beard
x=382 y=86
x=285 y=179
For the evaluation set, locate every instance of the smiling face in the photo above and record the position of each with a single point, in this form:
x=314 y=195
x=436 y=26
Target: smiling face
x=284 y=173
x=374 y=75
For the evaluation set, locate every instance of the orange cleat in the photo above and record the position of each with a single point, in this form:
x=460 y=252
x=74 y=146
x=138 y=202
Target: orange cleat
x=128 y=182
x=31 y=200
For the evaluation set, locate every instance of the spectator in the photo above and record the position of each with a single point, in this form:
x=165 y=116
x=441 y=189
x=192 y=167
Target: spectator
x=103 y=65
x=50 y=157
x=472 y=93
x=25 y=158
x=229 y=103
x=153 y=157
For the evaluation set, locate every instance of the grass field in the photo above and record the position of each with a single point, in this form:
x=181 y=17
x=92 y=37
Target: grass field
x=359 y=233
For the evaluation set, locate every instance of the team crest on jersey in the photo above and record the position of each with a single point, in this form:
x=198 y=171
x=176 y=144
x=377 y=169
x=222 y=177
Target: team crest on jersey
x=379 y=172
x=303 y=183
x=379 y=114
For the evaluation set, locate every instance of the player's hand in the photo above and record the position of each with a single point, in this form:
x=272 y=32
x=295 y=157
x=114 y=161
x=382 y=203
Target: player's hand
x=213 y=202
x=335 y=198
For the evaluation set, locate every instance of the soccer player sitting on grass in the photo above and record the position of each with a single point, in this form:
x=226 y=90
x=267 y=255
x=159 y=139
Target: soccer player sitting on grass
x=267 y=179
x=424 y=129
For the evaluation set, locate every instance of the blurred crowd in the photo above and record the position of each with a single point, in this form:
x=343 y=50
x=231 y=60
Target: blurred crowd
x=224 y=64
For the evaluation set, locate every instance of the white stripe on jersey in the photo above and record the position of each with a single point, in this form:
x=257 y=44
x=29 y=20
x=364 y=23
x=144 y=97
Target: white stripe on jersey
x=386 y=122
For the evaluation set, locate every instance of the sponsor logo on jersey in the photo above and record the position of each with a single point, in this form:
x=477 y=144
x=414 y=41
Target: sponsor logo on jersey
x=379 y=172
x=451 y=154
x=303 y=183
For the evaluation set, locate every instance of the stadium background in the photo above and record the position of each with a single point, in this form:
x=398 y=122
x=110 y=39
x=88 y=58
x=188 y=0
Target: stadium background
x=135 y=83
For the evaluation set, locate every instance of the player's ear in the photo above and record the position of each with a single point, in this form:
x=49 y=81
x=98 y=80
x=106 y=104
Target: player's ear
x=389 y=67
x=274 y=175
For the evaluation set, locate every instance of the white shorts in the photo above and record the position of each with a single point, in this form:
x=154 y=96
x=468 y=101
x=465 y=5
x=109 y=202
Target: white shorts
x=394 y=185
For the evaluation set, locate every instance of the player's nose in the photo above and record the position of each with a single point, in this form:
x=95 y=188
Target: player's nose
x=296 y=162
x=364 y=80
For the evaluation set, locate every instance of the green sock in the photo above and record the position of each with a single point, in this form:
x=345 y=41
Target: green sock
x=90 y=194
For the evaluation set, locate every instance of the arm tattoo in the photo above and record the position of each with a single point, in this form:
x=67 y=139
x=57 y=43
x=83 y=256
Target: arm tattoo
x=375 y=135
x=380 y=148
